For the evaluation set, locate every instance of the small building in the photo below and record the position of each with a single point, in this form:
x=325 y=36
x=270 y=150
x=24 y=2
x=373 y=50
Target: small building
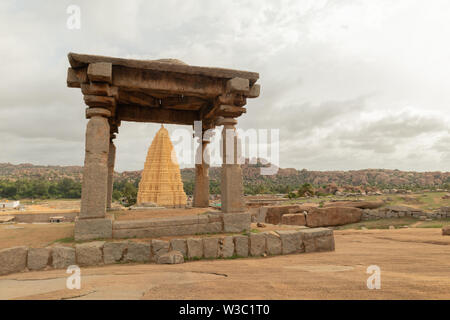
x=6 y=204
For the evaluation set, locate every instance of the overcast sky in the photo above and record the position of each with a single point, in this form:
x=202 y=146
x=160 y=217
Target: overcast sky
x=350 y=84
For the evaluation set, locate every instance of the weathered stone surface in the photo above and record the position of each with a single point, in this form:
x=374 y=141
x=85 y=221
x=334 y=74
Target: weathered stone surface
x=241 y=245
x=273 y=214
x=138 y=252
x=273 y=243
x=227 y=247
x=171 y=257
x=100 y=71
x=317 y=239
x=210 y=247
x=324 y=243
x=194 y=248
x=257 y=244
x=333 y=216
x=289 y=241
x=179 y=245
x=446 y=231
x=239 y=85
x=356 y=204
x=114 y=252
x=38 y=258
x=295 y=219
x=89 y=254
x=159 y=247
x=13 y=260
x=95 y=171
x=62 y=257
x=161 y=179
x=232 y=200
x=88 y=229
x=236 y=222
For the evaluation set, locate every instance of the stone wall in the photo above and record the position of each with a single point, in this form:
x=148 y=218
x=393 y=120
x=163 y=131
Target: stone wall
x=178 y=226
x=19 y=259
x=401 y=212
x=43 y=217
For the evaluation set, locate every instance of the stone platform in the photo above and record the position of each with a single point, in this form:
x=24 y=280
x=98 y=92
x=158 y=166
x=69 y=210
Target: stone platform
x=302 y=240
x=160 y=227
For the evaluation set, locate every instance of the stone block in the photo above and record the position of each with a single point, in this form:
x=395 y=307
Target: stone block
x=317 y=239
x=114 y=252
x=273 y=214
x=227 y=247
x=236 y=222
x=89 y=229
x=138 y=252
x=332 y=216
x=325 y=243
x=13 y=260
x=171 y=257
x=179 y=245
x=257 y=244
x=62 y=257
x=232 y=200
x=289 y=241
x=239 y=85
x=273 y=243
x=38 y=258
x=194 y=248
x=100 y=71
x=89 y=254
x=446 y=231
x=295 y=219
x=241 y=245
x=159 y=247
x=210 y=247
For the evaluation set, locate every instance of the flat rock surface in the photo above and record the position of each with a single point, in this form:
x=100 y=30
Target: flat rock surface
x=414 y=265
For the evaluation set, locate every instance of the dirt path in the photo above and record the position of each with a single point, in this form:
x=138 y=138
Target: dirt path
x=414 y=264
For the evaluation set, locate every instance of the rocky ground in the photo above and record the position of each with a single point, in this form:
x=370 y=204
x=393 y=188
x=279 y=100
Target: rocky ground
x=414 y=264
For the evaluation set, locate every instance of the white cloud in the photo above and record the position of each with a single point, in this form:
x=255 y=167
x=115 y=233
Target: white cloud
x=350 y=84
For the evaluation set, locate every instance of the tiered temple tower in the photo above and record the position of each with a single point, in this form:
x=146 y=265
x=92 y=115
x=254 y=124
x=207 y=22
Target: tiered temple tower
x=161 y=179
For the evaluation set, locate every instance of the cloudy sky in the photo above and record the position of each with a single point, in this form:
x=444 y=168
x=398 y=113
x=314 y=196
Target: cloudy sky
x=350 y=84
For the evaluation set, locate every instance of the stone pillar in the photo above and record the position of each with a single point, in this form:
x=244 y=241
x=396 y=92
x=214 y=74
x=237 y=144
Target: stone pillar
x=111 y=162
x=231 y=183
x=201 y=188
x=91 y=222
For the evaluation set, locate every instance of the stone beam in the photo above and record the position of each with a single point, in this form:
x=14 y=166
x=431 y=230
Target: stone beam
x=100 y=72
x=238 y=85
x=170 y=83
x=160 y=115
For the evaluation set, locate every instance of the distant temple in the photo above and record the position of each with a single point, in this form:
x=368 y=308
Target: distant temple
x=161 y=179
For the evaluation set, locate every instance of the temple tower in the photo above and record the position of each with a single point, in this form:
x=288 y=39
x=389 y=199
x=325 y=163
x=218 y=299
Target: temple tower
x=161 y=179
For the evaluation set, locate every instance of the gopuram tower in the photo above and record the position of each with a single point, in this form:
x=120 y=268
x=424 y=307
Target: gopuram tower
x=161 y=179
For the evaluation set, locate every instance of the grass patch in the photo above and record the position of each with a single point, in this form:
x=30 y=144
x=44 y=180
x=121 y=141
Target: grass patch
x=64 y=240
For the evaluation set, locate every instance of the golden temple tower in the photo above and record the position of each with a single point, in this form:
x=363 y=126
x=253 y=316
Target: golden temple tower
x=161 y=179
